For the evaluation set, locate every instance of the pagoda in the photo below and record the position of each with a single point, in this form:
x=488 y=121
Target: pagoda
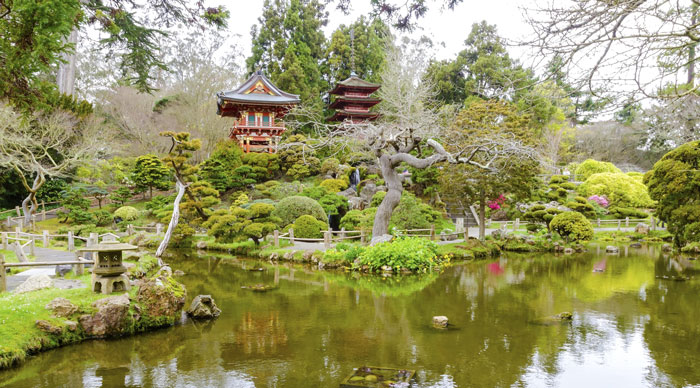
x=258 y=107
x=353 y=100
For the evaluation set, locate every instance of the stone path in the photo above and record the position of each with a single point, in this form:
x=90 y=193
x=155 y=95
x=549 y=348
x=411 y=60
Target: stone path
x=42 y=255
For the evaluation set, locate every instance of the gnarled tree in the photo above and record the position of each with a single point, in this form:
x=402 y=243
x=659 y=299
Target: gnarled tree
x=44 y=145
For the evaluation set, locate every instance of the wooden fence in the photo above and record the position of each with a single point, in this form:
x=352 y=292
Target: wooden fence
x=78 y=267
x=597 y=223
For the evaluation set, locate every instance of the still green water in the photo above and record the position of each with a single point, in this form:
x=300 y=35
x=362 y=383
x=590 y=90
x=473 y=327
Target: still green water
x=631 y=328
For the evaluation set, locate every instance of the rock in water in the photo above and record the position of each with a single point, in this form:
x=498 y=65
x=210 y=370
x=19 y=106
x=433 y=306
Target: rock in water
x=641 y=228
x=568 y=251
x=161 y=297
x=62 y=307
x=110 y=319
x=440 y=321
x=636 y=245
x=33 y=283
x=203 y=307
x=612 y=249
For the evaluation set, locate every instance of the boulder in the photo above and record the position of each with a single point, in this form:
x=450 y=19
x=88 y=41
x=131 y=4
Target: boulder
x=62 y=307
x=201 y=245
x=497 y=234
x=62 y=270
x=131 y=255
x=612 y=249
x=565 y=316
x=274 y=256
x=568 y=251
x=203 y=307
x=289 y=255
x=440 y=321
x=381 y=239
x=308 y=255
x=33 y=283
x=48 y=327
x=641 y=228
x=355 y=203
x=368 y=191
x=71 y=325
x=111 y=318
x=386 y=268
x=178 y=273
x=348 y=193
x=161 y=297
x=499 y=215
x=667 y=248
x=636 y=245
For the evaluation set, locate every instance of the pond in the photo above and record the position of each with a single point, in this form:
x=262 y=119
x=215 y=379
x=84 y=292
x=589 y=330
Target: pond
x=636 y=323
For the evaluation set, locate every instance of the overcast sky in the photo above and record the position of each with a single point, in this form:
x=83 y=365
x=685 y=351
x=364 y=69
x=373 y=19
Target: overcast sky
x=448 y=27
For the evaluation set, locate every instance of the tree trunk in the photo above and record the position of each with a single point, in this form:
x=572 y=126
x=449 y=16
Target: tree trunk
x=391 y=200
x=28 y=209
x=180 y=187
x=482 y=214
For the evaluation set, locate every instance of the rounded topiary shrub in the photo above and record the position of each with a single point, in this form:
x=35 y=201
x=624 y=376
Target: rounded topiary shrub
x=126 y=213
x=591 y=166
x=291 y=208
x=620 y=189
x=334 y=185
x=308 y=227
x=572 y=226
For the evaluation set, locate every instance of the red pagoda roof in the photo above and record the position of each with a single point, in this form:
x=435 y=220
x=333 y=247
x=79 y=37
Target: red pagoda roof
x=340 y=102
x=354 y=83
x=258 y=90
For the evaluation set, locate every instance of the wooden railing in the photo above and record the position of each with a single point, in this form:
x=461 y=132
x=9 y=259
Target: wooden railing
x=78 y=267
x=597 y=223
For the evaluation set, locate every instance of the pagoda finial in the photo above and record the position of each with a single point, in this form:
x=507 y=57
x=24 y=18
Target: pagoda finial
x=352 y=52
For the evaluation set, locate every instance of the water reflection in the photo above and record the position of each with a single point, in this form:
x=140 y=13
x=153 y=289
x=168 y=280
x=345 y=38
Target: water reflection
x=635 y=324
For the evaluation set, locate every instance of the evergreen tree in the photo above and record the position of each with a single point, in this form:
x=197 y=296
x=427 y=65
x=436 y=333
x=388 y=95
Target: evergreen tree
x=149 y=173
x=288 y=46
x=371 y=39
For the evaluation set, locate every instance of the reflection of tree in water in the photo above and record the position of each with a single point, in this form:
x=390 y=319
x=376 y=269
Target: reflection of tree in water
x=261 y=333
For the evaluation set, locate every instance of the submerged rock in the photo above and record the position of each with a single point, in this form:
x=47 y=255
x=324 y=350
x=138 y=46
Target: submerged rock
x=440 y=321
x=203 y=307
x=33 y=283
x=612 y=249
x=62 y=307
x=260 y=287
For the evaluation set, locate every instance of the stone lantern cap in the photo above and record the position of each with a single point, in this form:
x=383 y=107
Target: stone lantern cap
x=109 y=246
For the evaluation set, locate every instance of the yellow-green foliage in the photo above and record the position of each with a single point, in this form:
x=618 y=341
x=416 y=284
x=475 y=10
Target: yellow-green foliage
x=241 y=200
x=291 y=208
x=334 y=185
x=675 y=183
x=590 y=167
x=572 y=226
x=620 y=189
x=126 y=213
x=308 y=227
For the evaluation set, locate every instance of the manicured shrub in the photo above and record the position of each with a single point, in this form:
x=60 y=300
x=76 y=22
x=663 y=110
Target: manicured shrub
x=533 y=228
x=412 y=213
x=590 y=167
x=291 y=208
x=377 y=198
x=568 y=186
x=572 y=226
x=126 y=213
x=334 y=185
x=358 y=219
x=102 y=217
x=331 y=166
x=334 y=204
x=584 y=207
x=241 y=200
x=308 y=227
x=620 y=189
x=623 y=212
x=558 y=179
x=413 y=253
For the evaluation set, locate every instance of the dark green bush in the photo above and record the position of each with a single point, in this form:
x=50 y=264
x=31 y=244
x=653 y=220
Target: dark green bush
x=584 y=208
x=572 y=226
x=291 y=208
x=102 y=217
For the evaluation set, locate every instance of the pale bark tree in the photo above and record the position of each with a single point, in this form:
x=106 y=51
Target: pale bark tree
x=45 y=146
x=642 y=47
x=409 y=132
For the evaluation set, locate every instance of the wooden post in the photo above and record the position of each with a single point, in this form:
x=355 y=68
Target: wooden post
x=3 y=281
x=627 y=222
x=33 y=221
x=4 y=241
x=71 y=242
x=78 y=269
x=32 y=245
x=466 y=234
x=432 y=232
x=18 y=230
x=653 y=223
x=342 y=234
x=93 y=239
x=362 y=236
x=159 y=228
x=19 y=214
x=46 y=238
x=276 y=238
x=619 y=224
x=327 y=240
x=291 y=235
x=598 y=222
x=43 y=211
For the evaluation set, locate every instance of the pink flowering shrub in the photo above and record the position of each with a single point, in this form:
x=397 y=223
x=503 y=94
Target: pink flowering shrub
x=600 y=200
x=496 y=203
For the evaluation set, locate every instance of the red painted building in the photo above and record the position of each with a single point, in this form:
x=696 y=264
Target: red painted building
x=258 y=107
x=353 y=100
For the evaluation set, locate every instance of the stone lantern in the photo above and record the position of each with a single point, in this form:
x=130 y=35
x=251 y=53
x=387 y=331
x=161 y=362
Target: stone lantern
x=108 y=273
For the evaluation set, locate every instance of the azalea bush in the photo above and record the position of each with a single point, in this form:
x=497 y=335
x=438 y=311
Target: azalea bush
x=413 y=253
x=497 y=203
x=600 y=200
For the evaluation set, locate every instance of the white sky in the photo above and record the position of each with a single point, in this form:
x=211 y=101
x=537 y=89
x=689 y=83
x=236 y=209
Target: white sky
x=442 y=26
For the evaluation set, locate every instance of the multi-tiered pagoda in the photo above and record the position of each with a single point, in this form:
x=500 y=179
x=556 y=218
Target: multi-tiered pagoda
x=258 y=107
x=353 y=100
